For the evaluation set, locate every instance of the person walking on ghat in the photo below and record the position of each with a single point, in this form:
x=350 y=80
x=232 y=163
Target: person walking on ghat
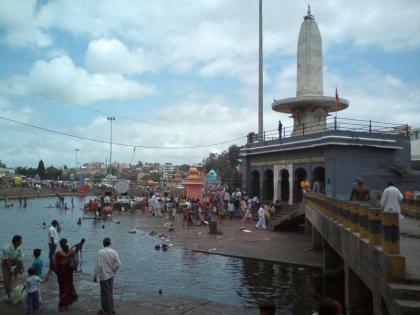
x=107 y=264
x=11 y=257
x=280 y=128
x=391 y=198
x=261 y=218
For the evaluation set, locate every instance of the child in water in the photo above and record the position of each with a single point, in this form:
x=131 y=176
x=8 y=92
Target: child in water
x=32 y=285
x=37 y=265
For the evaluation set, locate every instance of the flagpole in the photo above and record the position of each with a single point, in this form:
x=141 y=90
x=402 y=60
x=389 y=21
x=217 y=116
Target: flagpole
x=260 y=76
x=337 y=104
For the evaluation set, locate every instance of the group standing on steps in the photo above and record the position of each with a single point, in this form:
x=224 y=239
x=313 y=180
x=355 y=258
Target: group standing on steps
x=63 y=263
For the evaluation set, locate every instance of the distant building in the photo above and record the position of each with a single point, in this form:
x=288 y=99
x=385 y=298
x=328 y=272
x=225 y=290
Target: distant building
x=415 y=148
x=6 y=172
x=167 y=170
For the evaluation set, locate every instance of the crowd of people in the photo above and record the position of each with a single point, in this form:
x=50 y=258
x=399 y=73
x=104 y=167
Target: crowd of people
x=218 y=204
x=63 y=262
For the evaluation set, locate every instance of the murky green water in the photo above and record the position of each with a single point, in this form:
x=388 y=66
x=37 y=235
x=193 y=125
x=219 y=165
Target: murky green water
x=227 y=280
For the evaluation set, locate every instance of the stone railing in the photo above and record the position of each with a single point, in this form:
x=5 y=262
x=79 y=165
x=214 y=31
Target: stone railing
x=371 y=225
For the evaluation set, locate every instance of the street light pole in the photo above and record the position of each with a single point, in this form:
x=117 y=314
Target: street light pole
x=110 y=146
x=76 y=150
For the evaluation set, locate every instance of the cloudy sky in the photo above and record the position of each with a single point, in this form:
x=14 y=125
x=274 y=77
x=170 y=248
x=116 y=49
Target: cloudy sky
x=184 y=72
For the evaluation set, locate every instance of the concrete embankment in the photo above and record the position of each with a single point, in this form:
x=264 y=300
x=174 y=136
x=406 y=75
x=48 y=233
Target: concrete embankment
x=14 y=193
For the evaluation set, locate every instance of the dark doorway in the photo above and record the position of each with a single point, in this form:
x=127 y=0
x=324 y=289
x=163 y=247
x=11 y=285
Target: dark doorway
x=255 y=184
x=284 y=185
x=300 y=175
x=319 y=174
x=268 y=186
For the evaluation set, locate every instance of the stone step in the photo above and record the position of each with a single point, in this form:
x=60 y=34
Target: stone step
x=407 y=280
x=406 y=307
x=405 y=291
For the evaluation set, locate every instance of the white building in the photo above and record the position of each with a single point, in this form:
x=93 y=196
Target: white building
x=167 y=170
x=415 y=148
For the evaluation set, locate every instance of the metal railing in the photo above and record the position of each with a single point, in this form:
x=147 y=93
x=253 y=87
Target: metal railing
x=331 y=123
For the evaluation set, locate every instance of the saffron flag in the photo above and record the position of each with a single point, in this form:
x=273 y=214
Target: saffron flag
x=337 y=100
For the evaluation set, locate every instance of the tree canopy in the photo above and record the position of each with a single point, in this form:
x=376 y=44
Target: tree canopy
x=225 y=164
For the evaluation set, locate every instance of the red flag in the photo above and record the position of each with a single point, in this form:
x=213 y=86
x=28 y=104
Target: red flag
x=337 y=100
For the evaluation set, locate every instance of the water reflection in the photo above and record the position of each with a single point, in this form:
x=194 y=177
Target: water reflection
x=224 y=279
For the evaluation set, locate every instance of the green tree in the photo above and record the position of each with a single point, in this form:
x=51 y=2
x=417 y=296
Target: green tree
x=233 y=153
x=184 y=168
x=3 y=165
x=53 y=173
x=156 y=176
x=29 y=172
x=211 y=162
x=225 y=164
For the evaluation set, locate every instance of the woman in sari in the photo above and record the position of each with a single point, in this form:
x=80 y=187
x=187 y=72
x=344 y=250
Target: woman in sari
x=64 y=264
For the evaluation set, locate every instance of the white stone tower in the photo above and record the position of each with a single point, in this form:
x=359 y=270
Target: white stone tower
x=310 y=107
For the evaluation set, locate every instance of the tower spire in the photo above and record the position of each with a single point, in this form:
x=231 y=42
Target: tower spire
x=309 y=15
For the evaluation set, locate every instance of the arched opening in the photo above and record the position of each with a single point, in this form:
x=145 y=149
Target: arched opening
x=268 y=185
x=255 y=184
x=284 y=185
x=300 y=175
x=318 y=177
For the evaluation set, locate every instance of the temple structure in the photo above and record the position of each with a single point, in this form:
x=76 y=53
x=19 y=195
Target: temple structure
x=193 y=184
x=321 y=147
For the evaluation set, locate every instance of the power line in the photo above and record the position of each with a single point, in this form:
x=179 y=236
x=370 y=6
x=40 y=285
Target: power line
x=116 y=143
x=51 y=98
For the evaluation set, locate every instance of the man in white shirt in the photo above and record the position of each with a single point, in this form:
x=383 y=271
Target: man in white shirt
x=107 y=264
x=12 y=256
x=53 y=239
x=391 y=198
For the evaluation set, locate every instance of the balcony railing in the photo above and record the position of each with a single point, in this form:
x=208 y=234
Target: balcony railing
x=331 y=123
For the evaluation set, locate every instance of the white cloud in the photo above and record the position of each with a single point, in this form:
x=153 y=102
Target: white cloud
x=9 y=110
x=21 y=26
x=391 y=24
x=373 y=95
x=60 y=79
x=112 y=56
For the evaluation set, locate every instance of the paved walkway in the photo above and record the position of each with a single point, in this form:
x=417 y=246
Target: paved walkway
x=410 y=246
x=285 y=247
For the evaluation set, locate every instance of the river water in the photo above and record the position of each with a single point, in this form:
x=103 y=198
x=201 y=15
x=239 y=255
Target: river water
x=235 y=281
